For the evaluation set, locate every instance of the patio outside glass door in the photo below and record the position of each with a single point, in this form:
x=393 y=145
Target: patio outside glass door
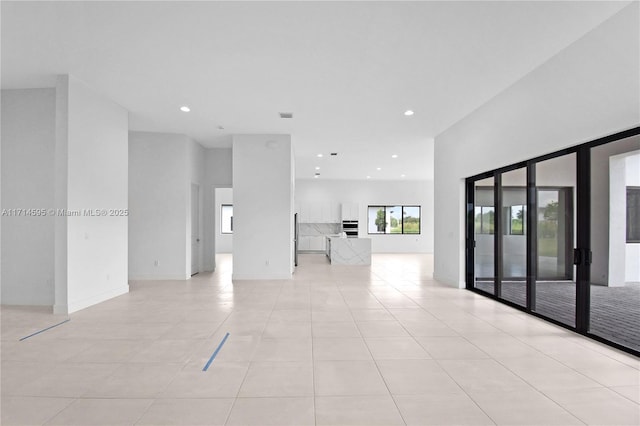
x=615 y=242
x=554 y=285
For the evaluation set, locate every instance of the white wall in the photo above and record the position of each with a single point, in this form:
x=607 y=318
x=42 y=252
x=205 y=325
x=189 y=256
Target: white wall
x=196 y=173
x=72 y=156
x=61 y=187
x=366 y=193
x=28 y=144
x=97 y=179
x=262 y=207
x=224 y=242
x=219 y=163
x=158 y=206
x=618 y=166
x=588 y=90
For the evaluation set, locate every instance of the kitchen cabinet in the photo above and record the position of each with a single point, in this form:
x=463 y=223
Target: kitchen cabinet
x=317 y=243
x=303 y=213
x=312 y=243
x=349 y=211
x=332 y=213
x=304 y=242
x=314 y=212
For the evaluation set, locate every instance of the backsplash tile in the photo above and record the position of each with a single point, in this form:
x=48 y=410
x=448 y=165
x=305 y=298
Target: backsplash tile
x=316 y=229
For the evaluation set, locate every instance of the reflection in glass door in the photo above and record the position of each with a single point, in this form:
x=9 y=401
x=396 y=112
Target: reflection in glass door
x=484 y=230
x=555 y=287
x=513 y=202
x=555 y=234
x=615 y=242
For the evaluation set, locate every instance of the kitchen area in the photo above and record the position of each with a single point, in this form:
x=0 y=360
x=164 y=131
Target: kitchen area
x=332 y=229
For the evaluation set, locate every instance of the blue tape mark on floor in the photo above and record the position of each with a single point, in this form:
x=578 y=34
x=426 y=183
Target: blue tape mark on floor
x=45 y=329
x=206 y=367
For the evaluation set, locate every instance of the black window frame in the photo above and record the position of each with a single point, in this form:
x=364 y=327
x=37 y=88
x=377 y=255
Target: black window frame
x=524 y=219
x=582 y=246
x=402 y=206
x=482 y=230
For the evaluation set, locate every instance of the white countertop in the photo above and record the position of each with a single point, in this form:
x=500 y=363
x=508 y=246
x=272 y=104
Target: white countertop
x=350 y=251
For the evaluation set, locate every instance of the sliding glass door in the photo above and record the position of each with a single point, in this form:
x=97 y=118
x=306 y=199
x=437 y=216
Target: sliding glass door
x=559 y=237
x=615 y=242
x=484 y=213
x=554 y=284
x=513 y=236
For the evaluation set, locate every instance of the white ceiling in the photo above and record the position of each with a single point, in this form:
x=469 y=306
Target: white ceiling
x=347 y=70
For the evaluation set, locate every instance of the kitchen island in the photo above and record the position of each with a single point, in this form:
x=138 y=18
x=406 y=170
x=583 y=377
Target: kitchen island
x=349 y=251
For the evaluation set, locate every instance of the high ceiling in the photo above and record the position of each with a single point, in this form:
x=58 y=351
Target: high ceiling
x=346 y=70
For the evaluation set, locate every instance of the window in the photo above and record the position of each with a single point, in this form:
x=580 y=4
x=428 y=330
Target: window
x=226 y=219
x=484 y=219
x=393 y=220
x=517 y=220
x=633 y=214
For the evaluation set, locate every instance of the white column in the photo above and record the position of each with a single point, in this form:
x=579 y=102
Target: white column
x=262 y=207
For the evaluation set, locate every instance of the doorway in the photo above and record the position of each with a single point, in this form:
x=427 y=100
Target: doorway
x=195 y=229
x=223 y=220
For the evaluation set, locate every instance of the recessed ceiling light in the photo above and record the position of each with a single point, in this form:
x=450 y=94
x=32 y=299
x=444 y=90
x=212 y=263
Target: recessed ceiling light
x=408 y=112
x=402 y=175
x=319 y=155
x=378 y=168
x=317 y=168
x=316 y=177
x=394 y=156
x=185 y=108
x=368 y=177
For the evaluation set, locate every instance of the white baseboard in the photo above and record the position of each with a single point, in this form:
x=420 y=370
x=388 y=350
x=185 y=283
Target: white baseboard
x=95 y=299
x=60 y=309
x=159 y=277
x=451 y=281
x=261 y=277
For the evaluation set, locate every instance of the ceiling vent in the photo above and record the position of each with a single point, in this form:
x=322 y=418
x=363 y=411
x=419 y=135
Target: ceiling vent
x=334 y=154
x=286 y=115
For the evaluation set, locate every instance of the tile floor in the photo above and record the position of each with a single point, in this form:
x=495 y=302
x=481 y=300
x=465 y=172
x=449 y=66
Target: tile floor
x=614 y=311
x=378 y=345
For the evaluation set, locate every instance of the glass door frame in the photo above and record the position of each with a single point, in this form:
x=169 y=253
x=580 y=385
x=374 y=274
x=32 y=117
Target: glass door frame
x=581 y=251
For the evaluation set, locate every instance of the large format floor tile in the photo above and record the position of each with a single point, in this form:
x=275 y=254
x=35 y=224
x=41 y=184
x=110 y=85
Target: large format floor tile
x=416 y=376
x=378 y=345
x=396 y=348
x=272 y=412
x=290 y=378
x=340 y=348
x=27 y=410
x=108 y=412
x=344 y=378
x=357 y=410
x=187 y=412
x=598 y=406
x=524 y=407
x=441 y=408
